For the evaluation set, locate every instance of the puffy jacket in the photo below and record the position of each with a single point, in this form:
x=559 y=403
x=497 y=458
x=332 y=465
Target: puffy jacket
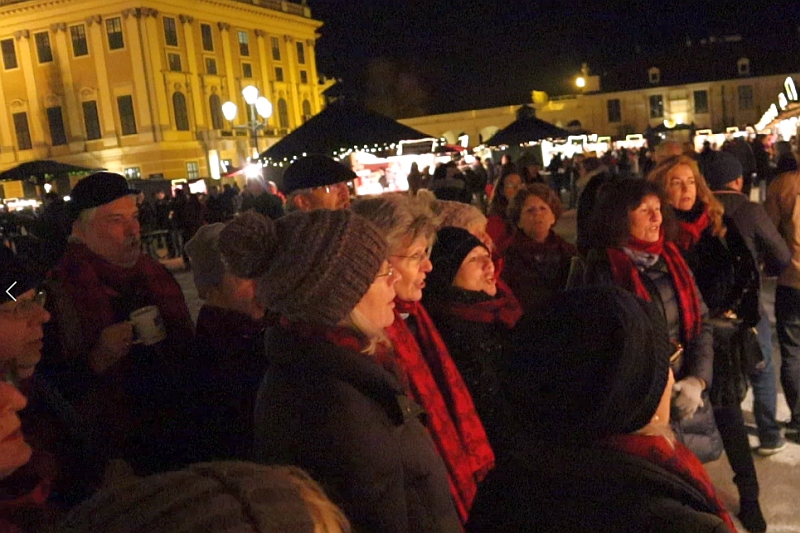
x=339 y=415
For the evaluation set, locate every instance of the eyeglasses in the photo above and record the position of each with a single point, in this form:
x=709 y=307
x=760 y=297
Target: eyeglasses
x=336 y=187
x=26 y=309
x=389 y=273
x=418 y=257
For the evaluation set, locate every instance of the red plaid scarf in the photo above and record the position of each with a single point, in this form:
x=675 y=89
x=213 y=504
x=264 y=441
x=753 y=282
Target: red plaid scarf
x=92 y=283
x=627 y=276
x=436 y=384
x=504 y=307
x=678 y=460
x=692 y=224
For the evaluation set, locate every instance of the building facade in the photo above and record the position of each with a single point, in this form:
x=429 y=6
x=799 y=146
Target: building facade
x=714 y=105
x=138 y=89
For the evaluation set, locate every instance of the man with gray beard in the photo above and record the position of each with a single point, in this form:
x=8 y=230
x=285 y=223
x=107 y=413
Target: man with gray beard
x=120 y=328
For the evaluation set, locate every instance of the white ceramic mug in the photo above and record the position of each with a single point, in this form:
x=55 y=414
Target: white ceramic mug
x=148 y=326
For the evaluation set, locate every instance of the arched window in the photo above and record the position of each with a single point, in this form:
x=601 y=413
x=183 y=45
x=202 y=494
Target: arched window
x=283 y=113
x=181 y=113
x=306 y=110
x=216 y=112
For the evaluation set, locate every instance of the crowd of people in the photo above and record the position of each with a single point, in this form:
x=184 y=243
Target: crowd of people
x=426 y=362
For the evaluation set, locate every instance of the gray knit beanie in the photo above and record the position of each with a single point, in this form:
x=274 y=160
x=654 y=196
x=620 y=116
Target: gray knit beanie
x=312 y=266
x=229 y=497
x=203 y=251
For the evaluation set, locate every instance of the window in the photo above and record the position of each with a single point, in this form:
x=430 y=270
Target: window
x=79 y=45
x=23 y=133
x=306 y=110
x=170 y=32
x=43 y=47
x=278 y=74
x=174 y=62
x=9 y=55
x=303 y=76
x=208 y=37
x=217 y=119
x=114 y=32
x=247 y=70
x=745 y=97
x=656 y=106
x=192 y=170
x=700 y=102
x=56 y=121
x=126 y=117
x=654 y=75
x=743 y=66
x=211 y=66
x=91 y=120
x=614 y=110
x=133 y=173
x=283 y=113
x=301 y=53
x=181 y=112
x=276 y=48
x=244 y=43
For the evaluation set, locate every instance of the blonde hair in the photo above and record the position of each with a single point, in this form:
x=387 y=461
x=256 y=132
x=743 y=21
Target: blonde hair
x=327 y=517
x=661 y=174
x=401 y=219
x=376 y=337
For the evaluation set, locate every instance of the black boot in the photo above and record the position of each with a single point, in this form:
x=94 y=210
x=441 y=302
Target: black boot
x=751 y=517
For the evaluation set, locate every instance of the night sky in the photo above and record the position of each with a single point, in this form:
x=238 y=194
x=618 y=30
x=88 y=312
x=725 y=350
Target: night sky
x=434 y=56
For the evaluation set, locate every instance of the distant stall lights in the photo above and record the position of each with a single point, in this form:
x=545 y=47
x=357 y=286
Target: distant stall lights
x=787 y=105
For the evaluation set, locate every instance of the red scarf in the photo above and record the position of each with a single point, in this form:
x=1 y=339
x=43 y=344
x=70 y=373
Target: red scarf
x=436 y=384
x=678 y=460
x=504 y=307
x=92 y=283
x=349 y=339
x=690 y=230
x=627 y=276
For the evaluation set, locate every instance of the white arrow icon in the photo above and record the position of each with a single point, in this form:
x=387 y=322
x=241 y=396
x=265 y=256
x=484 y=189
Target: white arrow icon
x=8 y=289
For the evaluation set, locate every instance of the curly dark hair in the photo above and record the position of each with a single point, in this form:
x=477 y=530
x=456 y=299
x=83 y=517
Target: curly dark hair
x=609 y=223
x=541 y=190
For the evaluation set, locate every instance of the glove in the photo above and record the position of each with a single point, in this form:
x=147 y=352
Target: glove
x=687 y=396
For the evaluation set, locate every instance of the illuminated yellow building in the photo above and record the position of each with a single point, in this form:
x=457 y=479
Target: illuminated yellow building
x=137 y=87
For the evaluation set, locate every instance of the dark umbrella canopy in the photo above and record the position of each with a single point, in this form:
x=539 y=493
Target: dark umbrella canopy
x=341 y=126
x=524 y=130
x=39 y=169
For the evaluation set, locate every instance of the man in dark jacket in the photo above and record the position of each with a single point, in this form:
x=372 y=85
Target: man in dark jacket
x=724 y=175
x=317 y=182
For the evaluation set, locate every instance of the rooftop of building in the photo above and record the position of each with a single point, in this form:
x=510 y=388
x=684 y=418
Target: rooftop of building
x=703 y=60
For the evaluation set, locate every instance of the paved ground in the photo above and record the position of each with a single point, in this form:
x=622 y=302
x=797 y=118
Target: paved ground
x=778 y=475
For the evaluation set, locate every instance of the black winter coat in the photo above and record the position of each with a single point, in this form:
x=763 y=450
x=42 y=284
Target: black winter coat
x=592 y=489
x=340 y=416
x=478 y=348
x=757 y=230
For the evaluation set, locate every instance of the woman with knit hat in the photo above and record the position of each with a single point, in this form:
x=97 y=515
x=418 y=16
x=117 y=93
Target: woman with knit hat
x=728 y=280
x=433 y=378
x=593 y=380
x=332 y=400
x=475 y=313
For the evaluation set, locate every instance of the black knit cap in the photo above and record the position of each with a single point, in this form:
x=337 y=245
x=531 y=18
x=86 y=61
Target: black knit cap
x=452 y=246
x=15 y=277
x=98 y=189
x=315 y=171
x=721 y=170
x=596 y=365
x=229 y=496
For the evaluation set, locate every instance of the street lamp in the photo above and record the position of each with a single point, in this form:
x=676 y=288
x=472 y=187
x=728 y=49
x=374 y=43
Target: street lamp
x=580 y=82
x=257 y=106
